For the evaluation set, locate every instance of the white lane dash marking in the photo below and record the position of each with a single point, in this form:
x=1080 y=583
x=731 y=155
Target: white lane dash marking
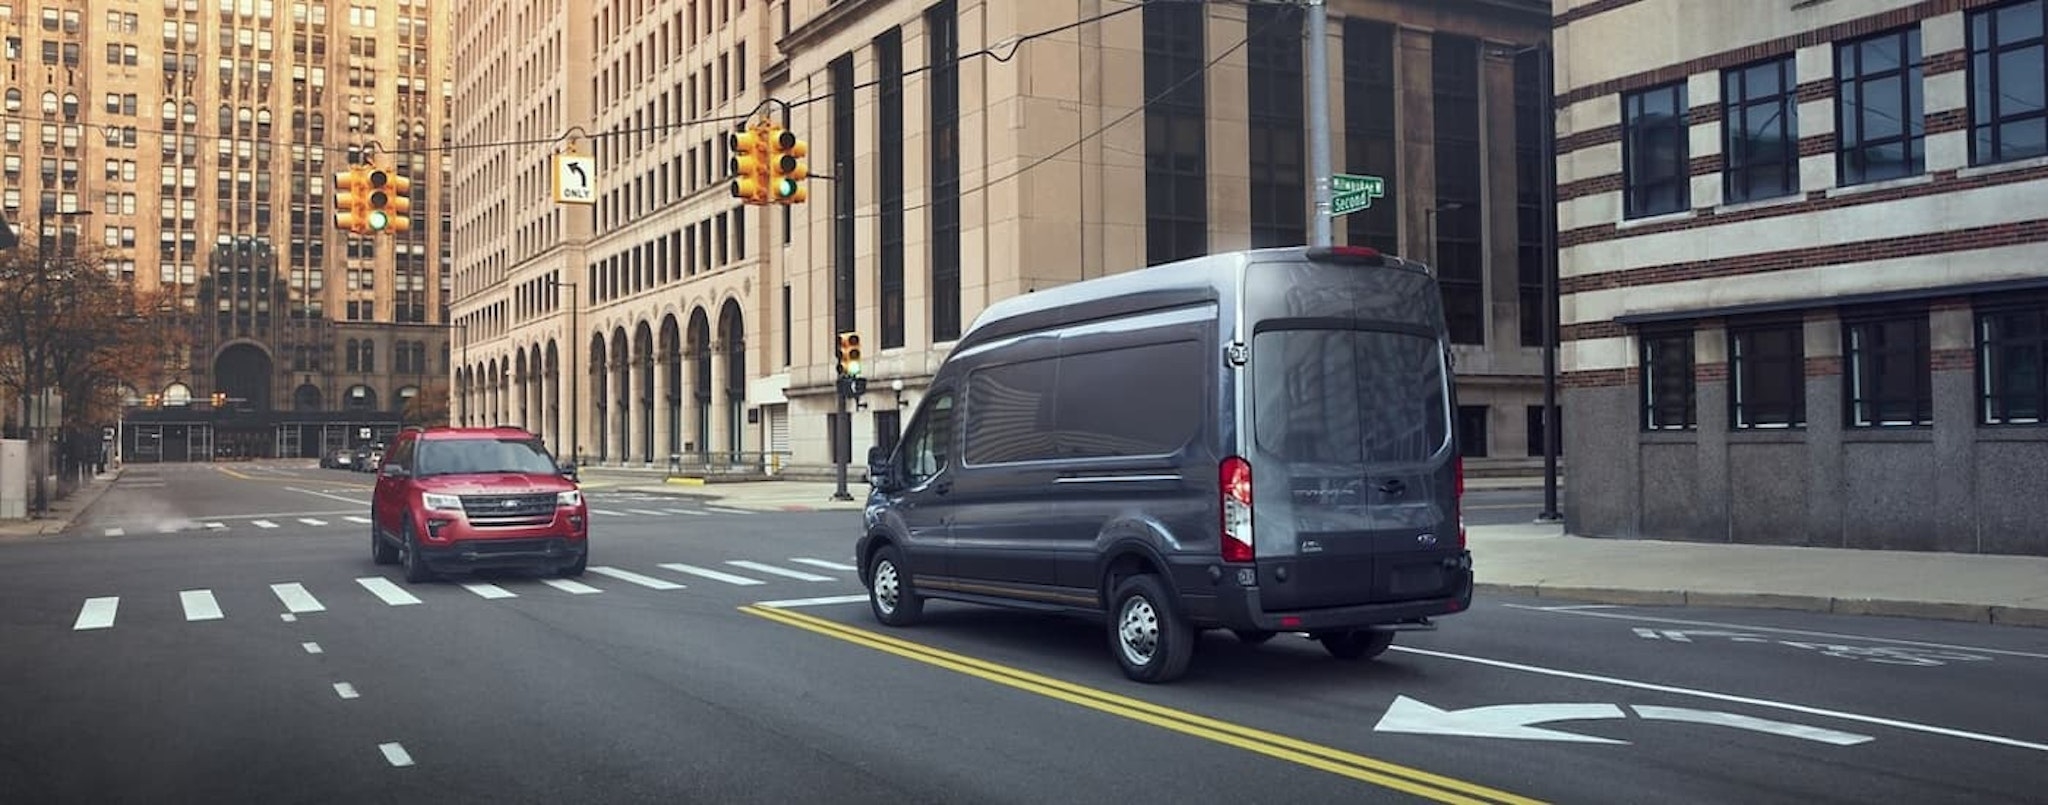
x=395 y=754
x=713 y=575
x=778 y=571
x=312 y=521
x=216 y=526
x=200 y=605
x=117 y=532
x=355 y=519
x=296 y=599
x=98 y=613
x=724 y=510
x=690 y=512
x=345 y=690
x=812 y=602
x=648 y=512
x=645 y=581
x=311 y=648
x=263 y=523
x=488 y=590
x=384 y=589
x=567 y=586
x=822 y=563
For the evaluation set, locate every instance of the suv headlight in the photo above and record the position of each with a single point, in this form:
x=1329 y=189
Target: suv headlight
x=570 y=498
x=446 y=503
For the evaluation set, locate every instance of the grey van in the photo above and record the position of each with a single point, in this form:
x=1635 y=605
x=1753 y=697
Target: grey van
x=1256 y=441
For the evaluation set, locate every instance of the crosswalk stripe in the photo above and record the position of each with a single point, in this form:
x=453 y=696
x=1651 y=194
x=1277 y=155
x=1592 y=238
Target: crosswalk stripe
x=778 y=571
x=354 y=519
x=724 y=510
x=822 y=563
x=384 y=589
x=296 y=599
x=200 y=605
x=605 y=512
x=167 y=529
x=488 y=590
x=567 y=586
x=311 y=521
x=649 y=582
x=217 y=526
x=98 y=613
x=691 y=512
x=647 y=512
x=263 y=523
x=712 y=574
x=395 y=754
x=116 y=532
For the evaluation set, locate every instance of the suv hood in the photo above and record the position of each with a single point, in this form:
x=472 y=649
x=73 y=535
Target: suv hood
x=495 y=484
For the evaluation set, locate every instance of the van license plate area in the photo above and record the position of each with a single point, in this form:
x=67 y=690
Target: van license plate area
x=1415 y=579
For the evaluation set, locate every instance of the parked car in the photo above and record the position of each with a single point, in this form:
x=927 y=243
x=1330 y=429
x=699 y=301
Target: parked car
x=338 y=458
x=459 y=499
x=1094 y=447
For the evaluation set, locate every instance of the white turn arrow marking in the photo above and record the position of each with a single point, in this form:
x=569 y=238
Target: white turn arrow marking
x=1743 y=722
x=1497 y=721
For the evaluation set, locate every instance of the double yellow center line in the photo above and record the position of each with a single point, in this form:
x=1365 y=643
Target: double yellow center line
x=1335 y=761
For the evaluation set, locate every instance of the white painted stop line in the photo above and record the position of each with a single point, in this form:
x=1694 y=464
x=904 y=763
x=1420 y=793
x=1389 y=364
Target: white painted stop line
x=200 y=605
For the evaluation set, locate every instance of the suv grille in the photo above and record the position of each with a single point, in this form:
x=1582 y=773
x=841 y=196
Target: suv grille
x=509 y=510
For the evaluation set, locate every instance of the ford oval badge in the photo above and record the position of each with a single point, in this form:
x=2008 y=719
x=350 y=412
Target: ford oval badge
x=1426 y=540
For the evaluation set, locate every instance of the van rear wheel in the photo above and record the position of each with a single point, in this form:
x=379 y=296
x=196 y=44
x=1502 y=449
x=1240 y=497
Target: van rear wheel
x=1150 y=639
x=1363 y=644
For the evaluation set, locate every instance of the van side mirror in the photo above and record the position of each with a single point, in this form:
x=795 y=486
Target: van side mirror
x=879 y=475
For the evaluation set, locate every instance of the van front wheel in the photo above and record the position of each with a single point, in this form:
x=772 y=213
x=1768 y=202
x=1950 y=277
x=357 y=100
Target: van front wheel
x=891 y=593
x=1147 y=634
x=1363 y=644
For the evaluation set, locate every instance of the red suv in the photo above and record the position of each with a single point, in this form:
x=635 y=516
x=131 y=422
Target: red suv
x=471 y=498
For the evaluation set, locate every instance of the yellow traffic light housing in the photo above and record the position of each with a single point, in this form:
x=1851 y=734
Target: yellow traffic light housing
x=390 y=199
x=352 y=200
x=749 y=164
x=787 y=166
x=849 y=354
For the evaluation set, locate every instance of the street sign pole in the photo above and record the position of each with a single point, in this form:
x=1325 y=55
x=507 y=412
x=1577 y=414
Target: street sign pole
x=1319 y=120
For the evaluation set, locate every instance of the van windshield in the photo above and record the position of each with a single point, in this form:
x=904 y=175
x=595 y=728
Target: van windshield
x=1352 y=397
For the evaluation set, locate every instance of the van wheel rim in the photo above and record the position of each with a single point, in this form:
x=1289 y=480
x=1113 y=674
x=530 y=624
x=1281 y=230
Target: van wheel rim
x=1138 y=631
x=887 y=586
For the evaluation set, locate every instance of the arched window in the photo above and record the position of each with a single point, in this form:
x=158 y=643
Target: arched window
x=70 y=104
x=49 y=103
x=13 y=99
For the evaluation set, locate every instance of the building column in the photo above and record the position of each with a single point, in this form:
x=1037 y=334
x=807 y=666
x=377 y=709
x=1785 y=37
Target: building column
x=1952 y=354
x=721 y=420
x=663 y=428
x=1825 y=487
x=1710 y=377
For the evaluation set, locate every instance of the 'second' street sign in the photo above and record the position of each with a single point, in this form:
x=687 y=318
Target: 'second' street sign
x=1350 y=193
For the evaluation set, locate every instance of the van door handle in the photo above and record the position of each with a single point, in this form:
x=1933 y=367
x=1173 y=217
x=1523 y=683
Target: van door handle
x=1393 y=487
x=942 y=487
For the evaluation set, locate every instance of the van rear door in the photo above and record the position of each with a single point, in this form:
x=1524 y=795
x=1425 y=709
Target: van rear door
x=1354 y=473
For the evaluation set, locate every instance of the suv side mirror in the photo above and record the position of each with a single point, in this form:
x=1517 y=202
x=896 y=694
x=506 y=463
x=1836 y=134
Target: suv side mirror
x=879 y=474
x=569 y=470
x=390 y=470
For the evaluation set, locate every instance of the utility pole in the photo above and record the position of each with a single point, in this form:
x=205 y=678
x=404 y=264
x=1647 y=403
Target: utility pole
x=1319 y=120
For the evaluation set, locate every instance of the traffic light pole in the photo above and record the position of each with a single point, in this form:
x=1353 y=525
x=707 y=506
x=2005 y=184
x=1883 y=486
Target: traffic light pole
x=842 y=433
x=1319 y=121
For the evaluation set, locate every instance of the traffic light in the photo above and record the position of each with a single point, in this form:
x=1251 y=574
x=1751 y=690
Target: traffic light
x=787 y=168
x=389 y=202
x=849 y=354
x=220 y=399
x=749 y=164
x=352 y=200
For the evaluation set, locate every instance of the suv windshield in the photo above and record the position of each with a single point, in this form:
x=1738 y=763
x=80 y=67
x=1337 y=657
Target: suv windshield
x=469 y=456
x=1349 y=397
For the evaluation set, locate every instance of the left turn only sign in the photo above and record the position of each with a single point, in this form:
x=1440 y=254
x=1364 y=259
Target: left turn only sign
x=575 y=178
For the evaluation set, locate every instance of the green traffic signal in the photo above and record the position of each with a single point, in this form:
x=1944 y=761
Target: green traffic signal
x=378 y=220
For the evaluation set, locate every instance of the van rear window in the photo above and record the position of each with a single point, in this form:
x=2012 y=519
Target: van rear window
x=1357 y=397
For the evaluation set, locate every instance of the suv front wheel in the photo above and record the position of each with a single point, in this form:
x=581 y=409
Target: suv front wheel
x=416 y=570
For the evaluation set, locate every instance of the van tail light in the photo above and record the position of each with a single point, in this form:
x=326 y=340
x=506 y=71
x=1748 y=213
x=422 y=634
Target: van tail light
x=1458 y=499
x=1235 y=473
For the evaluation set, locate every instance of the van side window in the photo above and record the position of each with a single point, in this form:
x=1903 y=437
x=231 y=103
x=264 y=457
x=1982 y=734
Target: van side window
x=929 y=447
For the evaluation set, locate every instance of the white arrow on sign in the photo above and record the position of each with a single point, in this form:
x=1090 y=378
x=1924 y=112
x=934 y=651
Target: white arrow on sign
x=1515 y=720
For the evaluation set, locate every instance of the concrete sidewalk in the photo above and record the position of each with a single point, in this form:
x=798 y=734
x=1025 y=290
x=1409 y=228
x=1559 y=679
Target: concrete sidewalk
x=1543 y=561
x=62 y=511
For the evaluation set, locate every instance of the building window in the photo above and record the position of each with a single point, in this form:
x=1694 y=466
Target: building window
x=2008 y=76
x=1887 y=374
x=1472 y=431
x=2012 y=364
x=1767 y=376
x=1176 y=146
x=1279 y=196
x=1531 y=194
x=1878 y=132
x=1761 y=131
x=1655 y=167
x=942 y=28
x=1371 y=142
x=1670 y=395
x=1459 y=249
x=843 y=231
x=889 y=180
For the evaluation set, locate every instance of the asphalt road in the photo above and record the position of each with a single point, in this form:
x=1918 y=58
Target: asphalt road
x=198 y=655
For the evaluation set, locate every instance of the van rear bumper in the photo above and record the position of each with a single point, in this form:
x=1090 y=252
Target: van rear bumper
x=1224 y=604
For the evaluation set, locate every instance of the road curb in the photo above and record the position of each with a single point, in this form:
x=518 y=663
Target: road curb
x=1921 y=610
